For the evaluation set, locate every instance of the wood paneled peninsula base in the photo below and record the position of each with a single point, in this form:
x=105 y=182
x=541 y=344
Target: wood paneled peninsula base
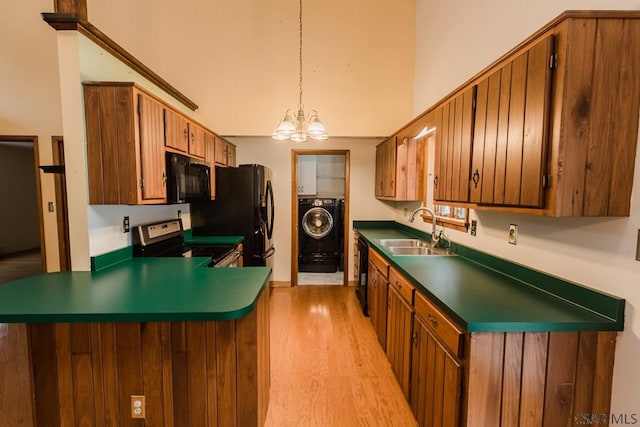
x=191 y=373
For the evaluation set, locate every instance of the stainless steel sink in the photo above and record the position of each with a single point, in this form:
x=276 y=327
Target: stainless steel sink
x=411 y=243
x=400 y=250
x=411 y=247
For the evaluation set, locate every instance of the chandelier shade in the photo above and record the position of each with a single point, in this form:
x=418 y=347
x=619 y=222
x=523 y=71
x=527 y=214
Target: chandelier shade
x=303 y=126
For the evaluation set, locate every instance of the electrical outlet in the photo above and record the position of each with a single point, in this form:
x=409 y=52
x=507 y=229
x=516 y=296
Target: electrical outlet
x=513 y=234
x=406 y=211
x=50 y=206
x=125 y=225
x=137 y=407
x=474 y=227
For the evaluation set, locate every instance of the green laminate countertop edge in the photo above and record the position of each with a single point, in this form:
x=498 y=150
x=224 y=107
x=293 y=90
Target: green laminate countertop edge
x=109 y=259
x=143 y=289
x=461 y=284
x=189 y=238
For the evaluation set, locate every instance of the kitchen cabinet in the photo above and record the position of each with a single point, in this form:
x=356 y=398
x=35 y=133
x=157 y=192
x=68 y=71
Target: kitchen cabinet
x=511 y=133
x=307 y=175
x=225 y=153
x=183 y=134
x=210 y=157
x=554 y=129
x=378 y=277
x=399 y=328
x=454 y=377
x=125 y=144
x=386 y=169
x=401 y=167
x=453 y=147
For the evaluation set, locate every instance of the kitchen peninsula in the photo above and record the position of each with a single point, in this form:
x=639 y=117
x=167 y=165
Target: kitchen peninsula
x=194 y=341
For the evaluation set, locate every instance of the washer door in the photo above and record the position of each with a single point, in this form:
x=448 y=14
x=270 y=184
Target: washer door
x=317 y=222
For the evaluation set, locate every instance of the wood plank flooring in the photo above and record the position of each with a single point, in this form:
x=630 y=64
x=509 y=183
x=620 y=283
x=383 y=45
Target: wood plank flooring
x=327 y=368
x=21 y=264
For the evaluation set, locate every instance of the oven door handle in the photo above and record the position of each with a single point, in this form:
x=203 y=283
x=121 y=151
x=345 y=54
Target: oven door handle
x=229 y=259
x=269 y=252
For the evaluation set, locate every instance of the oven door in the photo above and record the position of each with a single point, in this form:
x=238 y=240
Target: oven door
x=231 y=260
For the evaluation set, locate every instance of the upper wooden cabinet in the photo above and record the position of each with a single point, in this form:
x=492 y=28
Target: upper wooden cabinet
x=554 y=127
x=225 y=153
x=400 y=167
x=209 y=157
x=453 y=147
x=183 y=134
x=128 y=134
x=125 y=145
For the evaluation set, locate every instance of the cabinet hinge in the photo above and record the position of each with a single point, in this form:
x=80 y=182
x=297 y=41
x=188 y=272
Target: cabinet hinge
x=139 y=108
x=473 y=104
x=553 y=61
x=545 y=180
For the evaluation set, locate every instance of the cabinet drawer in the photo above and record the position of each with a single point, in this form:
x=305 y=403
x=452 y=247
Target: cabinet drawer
x=381 y=264
x=447 y=331
x=401 y=284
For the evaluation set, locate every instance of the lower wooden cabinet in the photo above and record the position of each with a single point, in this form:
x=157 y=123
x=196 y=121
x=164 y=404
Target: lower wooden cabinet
x=399 y=336
x=436 y=380
x=452 y=377
x=377 y=295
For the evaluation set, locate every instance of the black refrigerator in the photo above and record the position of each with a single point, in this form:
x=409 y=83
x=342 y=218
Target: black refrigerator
x=243 y=207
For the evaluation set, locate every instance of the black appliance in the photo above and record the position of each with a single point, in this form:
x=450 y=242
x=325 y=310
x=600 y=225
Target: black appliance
x=188 y=179
x=318 y=235
x=243 y=207
x=363 y=273
x=341 y=224
x=164 y=239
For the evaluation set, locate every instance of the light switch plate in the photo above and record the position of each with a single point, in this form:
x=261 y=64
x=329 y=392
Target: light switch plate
x=474 y=227
x=513 y=234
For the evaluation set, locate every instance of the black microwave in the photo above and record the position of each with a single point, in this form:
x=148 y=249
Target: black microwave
x=188 y=179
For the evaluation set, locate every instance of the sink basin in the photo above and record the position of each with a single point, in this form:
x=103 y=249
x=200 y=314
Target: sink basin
x=407 y=250
x=411 y=247
x=410 y=243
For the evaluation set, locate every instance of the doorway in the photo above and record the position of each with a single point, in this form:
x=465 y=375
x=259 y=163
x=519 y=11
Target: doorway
x=22 y=251
x=320 y=213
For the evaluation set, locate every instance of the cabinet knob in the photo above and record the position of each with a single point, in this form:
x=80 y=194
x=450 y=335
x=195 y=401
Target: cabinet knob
x=414 y=338
x=433 y=320
x=186 y=134
x=435 y=181
x=475 y=178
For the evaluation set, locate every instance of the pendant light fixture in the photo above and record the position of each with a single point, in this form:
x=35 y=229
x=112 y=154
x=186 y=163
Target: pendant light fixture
x=301 y=127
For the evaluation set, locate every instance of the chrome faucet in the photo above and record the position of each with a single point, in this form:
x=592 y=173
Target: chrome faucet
x=434 y=239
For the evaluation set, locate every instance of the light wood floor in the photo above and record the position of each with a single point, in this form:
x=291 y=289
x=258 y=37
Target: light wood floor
x=327 y=368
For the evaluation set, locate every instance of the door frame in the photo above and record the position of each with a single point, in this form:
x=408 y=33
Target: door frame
x=36 y=162
x=62 y=217
x=294 y=210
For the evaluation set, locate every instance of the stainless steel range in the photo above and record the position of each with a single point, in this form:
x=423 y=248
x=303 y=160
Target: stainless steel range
x=165 y=239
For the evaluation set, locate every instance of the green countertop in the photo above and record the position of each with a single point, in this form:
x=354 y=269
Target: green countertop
x=497 y=296
x=135 y=290
x=189 y=238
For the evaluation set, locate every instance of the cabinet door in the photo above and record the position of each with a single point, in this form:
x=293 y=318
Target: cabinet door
x=436 y=381
x=379 y=184
x=453 y=148
x=176 y=130
x=372 y=294
x=231 y=155
x=196 y=140
x=510 y=138
x=221 y=152
x=382 y=302
x=399 y=335
x=389 y=168
x=307 y=174
x=210 y=157
x=152 y=158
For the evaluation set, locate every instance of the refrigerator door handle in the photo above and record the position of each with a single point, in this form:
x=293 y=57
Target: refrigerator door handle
x=271 y=213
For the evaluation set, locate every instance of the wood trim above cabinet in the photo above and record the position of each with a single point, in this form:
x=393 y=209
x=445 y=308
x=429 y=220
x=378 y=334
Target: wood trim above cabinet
x=64 y=21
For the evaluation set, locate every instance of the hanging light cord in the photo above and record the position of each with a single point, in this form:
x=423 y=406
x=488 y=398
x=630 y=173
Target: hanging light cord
x=300 y=41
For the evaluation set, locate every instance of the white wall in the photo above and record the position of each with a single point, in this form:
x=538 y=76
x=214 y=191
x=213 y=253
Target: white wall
x=238 y=60
x=277 y=156
x=455 y=40
x=19 y=222
x=30 y=95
